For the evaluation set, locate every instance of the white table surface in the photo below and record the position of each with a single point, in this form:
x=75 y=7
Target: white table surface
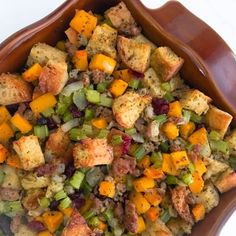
x=15 y=14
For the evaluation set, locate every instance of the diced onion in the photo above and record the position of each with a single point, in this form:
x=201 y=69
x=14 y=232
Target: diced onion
x=71 y=88
x=70 y=125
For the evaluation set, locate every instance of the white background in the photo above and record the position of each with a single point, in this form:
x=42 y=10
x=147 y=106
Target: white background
x=219 y=14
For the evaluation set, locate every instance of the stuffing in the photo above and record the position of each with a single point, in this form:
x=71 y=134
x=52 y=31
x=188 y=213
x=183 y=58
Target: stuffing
x=29 y=151
x=57 y=145
x=13 y=89
x=41 y=53
x=153 y=83
x=53 y=77
x=32 y=181
x=11 y=178
x=226 y=181
x=25 y=231
x=209 y=197
x=142 y=39
x=156 y=228
x=103 y=41
x=166 y=63
x=53 y=187
x=121 y=18
x=179 y=227
x=128 y=108
x=231 y=139
x=218 y=120
x=133 y=54
x=196 y=101
x=92 y=152
x=177 y=83
x=214 y=167
x=77 y=226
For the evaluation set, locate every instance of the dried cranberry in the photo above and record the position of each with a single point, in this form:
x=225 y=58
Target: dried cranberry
x=136 y=74
x=51 y=124
x=160 y=106
x=54 y=205
x=70 y=170
x=75 y=111
x=42 y=121
x=12 y=108
x=36 y=226
x=78 y=202
x=200 y=125
x=126 y=144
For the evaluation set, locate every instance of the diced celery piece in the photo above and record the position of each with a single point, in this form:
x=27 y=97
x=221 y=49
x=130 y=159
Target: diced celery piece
x=134 y=83
x=87 y=129
x=232 y=162
x=103 y=133
x=2 y=175
x=214 y=135
x=166 y=86
x=191 y=167
x=161 y=119
x=186 y=115
x=140 y=152
x=67 y=116
x=195 y=118
x=60 y=195
x=219 y=146
x=65 y=203
x=165 y=216
x=101 y=87
x=41 y=131
x=94 y=222
x=187 y=178
x=171 y=180
x=89 y=214
x=117 y=139
x=89 y=114
x=156 y=159
x=77 y=179
x=44 y=202
x=164 y=146
x=93 y=96
x=105 y=101
x=48 y=113
x=131 y=131
x=169 y=97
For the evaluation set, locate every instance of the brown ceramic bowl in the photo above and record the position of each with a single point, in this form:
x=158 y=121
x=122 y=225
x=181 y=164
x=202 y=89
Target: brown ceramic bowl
x=210 y=65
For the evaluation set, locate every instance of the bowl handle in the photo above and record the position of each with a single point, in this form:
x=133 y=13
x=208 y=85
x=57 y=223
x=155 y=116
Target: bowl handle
x=217 y=61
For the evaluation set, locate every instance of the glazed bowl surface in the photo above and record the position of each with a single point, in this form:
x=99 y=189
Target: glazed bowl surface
x=210 y=65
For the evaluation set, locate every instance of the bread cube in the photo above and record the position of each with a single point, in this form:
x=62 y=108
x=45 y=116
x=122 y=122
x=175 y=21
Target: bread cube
x=231 y=139
x=218 y=120
x=103 y=41
x=166 y=63
x=29 y=151
x=195 y=101
x=134 y=55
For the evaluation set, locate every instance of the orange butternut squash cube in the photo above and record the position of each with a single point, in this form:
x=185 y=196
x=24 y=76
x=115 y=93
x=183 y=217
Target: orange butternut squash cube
x=123 y=74
x=103 y=63
x=145 y=162
x=6 y=132
x=187 y=129
x=198 y=212
x=141 y=225
x=43 y=103
x=21 y=123
x=167 y=165
x=32 y=73
x=99 y=123
x=3 y=153
x=52 y=220
x=44 y=233
x=118 y=87
x=179 y=159
x=80 y=60
x=4 y=114
x=143 y=183
x=140 y=202
x=170 y=130
x=200 y=167
x=153 y=197
x=198 y=183
x=199 y=137
x=153 y=173
x=66 y=211
x=175 y=109
x=152 y=214
x=84 y=23
x=107 y=189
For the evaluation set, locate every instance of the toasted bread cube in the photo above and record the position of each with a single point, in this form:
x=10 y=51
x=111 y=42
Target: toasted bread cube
x=120 y=17
x=92 y=152
x=57 y=145
x=84 y=23
x=103 y=41
x=13 y=89
x=231 y=139
x=76 y=226
x=209 y=197
x=142 y=39
x=153 y=82
x=128 y=107
x=166 y=63
x=25 y=230
x=41 y=53
x=226 y=181
x=134 y=55
x=196 y=101
x=218 y=120
x=29 y=151
x=53 y=77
